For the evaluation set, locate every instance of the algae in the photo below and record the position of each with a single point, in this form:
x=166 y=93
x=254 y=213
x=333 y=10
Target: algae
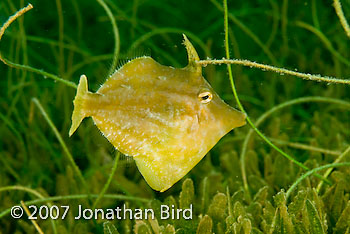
x=243 y=185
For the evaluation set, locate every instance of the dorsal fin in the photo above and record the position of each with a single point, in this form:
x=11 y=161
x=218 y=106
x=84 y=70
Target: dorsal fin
x=192 y=56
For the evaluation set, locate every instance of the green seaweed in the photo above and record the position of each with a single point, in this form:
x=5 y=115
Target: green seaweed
x=259 y=179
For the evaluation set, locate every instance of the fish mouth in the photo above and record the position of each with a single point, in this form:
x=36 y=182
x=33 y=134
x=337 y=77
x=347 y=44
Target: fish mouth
x=243 y=120
x=234 y=119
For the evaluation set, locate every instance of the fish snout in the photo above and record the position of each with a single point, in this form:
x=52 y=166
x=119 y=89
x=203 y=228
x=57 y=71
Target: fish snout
x=234 y=118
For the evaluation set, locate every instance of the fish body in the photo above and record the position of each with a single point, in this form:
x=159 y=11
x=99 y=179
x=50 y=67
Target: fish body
x=166 y=118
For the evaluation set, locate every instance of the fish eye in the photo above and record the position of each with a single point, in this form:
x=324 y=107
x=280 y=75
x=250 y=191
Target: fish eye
x=205 y=97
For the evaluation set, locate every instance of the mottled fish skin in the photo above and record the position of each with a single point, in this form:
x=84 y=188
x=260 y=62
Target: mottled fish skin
x=156 y=114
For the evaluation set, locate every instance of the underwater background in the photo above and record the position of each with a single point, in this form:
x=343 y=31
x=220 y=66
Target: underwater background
x=243 y=185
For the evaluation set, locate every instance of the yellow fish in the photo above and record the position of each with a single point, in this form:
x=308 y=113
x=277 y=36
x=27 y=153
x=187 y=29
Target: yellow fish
x=166 y=118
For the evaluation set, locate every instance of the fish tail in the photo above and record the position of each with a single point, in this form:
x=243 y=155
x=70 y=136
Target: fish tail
x=79 y=111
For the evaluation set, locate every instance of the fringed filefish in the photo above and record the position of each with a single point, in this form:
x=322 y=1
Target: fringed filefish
x=166 y=118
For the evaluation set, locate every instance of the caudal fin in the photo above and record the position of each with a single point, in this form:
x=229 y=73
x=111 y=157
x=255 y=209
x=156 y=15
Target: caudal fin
x=78 y=112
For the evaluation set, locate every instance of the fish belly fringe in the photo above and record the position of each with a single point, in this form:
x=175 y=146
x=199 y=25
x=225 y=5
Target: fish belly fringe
x=78 y=112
